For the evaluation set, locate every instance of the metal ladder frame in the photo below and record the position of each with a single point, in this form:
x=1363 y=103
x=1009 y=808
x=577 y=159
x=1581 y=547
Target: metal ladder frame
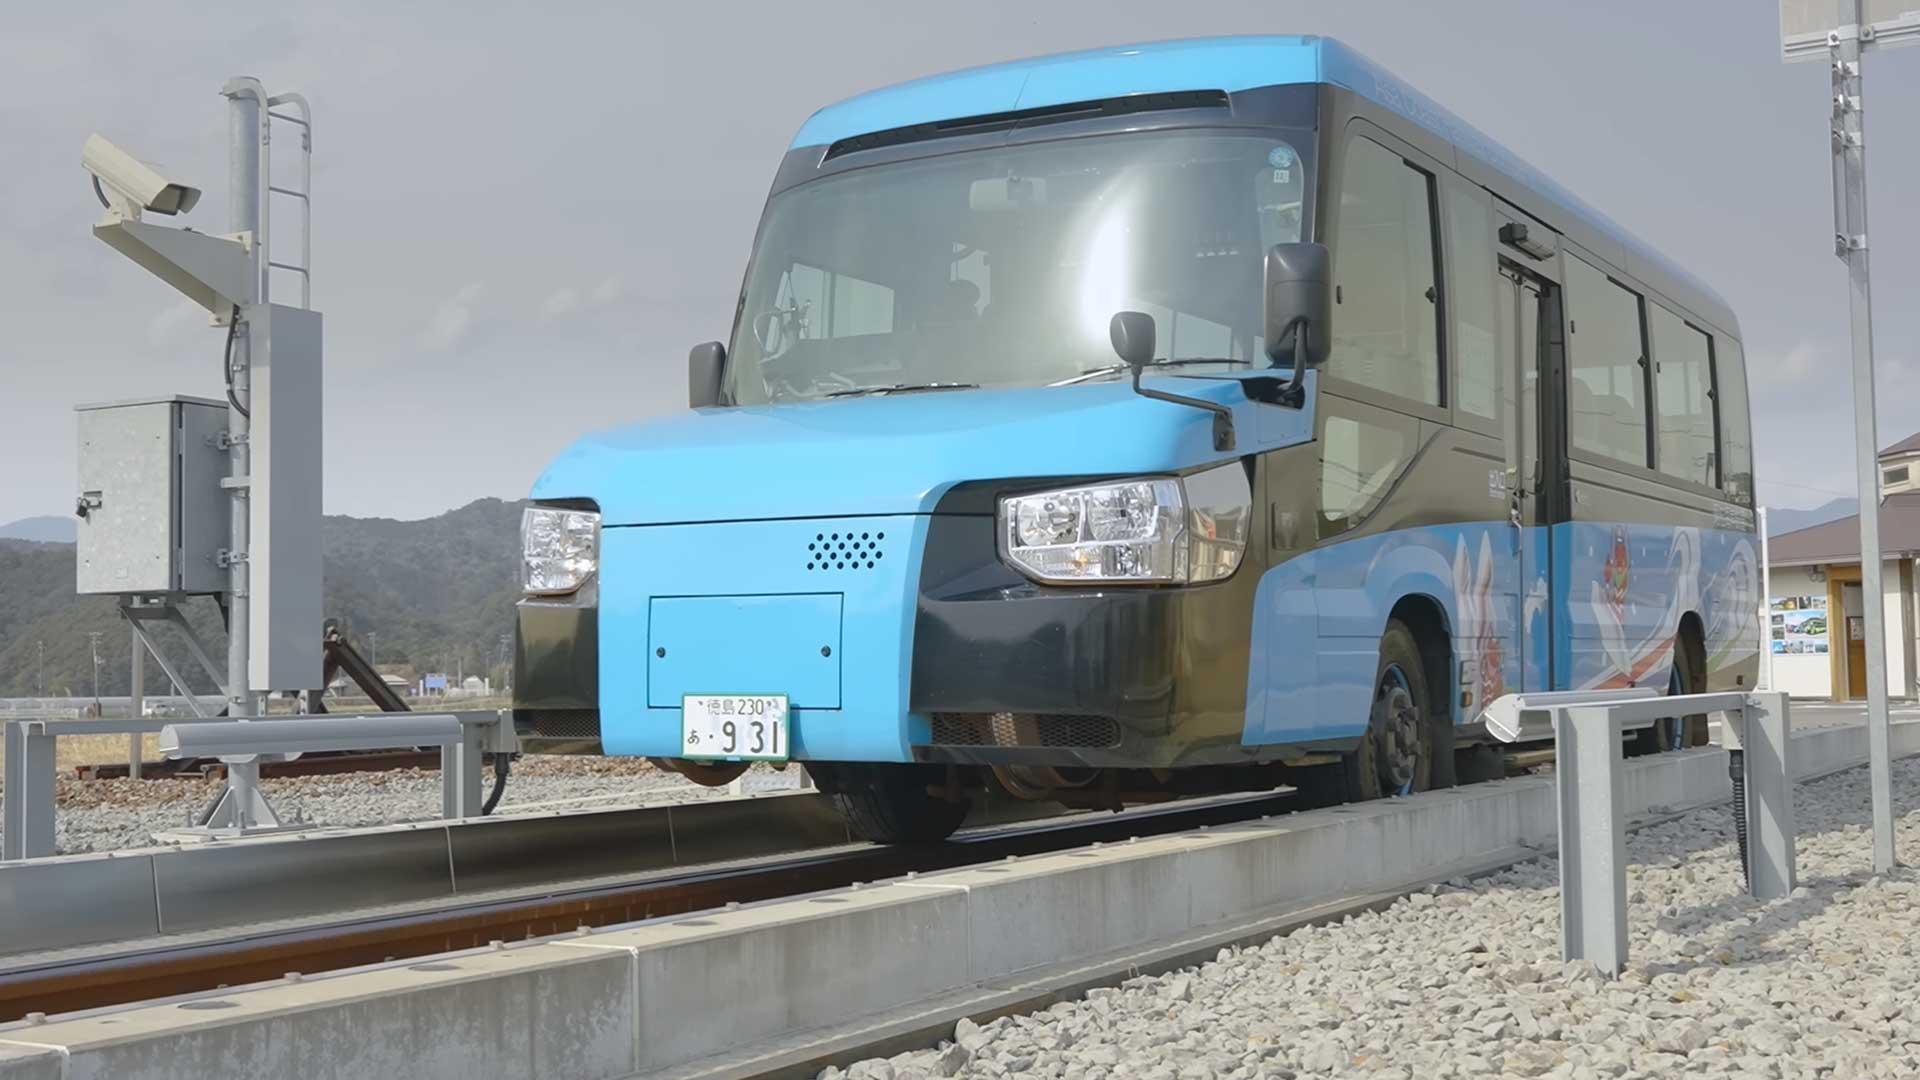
x=305 y=195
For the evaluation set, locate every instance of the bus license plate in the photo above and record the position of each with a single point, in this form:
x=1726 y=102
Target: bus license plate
x=743 y=727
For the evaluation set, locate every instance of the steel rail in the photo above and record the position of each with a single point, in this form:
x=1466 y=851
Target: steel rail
x=159 y=968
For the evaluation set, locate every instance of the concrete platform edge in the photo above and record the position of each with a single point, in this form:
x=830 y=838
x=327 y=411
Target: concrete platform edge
x=1157 y=904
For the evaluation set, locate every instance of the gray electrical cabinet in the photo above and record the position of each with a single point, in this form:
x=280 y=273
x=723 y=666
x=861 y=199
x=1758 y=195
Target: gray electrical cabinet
x=153 y=515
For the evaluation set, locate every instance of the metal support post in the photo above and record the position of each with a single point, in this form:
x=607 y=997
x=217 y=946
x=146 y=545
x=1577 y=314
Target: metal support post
x=1850 y=243
x=243 y=809
x=28 y=798
x=1766 y=606
x=1762 y=734
x=136 y=695
x=1591 y=780
x=460 y=775
x=247 y=175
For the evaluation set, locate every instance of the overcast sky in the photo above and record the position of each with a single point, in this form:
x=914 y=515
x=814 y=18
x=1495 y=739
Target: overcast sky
x=523 y=220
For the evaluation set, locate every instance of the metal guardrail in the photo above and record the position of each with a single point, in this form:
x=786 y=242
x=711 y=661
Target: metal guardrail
x=1590 y=776
x=27 y=803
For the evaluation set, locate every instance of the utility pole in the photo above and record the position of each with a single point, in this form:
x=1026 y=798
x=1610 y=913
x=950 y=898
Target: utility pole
x=270 y=566
x=246 y=198
x=1850 y=243
x=41 y=648
x=373 y=644
x=1837 y=31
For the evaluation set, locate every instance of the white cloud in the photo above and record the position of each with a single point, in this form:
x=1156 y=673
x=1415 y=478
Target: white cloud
x=452 y=319
x=562 y=302
x=1790 y=368
x=608 y=291
x=176 y=324
x=568 y=300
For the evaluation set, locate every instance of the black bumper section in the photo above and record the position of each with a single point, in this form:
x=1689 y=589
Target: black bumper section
x=1164 y=668
x=1105 y=654
x=556 y=673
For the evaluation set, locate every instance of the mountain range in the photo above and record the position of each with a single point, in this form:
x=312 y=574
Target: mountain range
x=436 y=594
x=1780 y=520
x=52 y=530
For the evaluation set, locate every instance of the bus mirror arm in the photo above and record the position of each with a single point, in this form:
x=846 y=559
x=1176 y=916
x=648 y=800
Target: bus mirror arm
x=1132 y=334
x=1294 y=393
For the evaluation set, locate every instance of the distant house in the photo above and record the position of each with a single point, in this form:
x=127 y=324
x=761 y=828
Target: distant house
x=1900 y=467
x=1815 y=608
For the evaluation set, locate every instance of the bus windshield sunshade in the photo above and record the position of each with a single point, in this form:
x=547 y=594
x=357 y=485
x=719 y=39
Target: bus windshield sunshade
x=1047 y=114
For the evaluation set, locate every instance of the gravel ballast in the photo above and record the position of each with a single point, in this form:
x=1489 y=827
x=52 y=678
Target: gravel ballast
x=1464 y=979
x=111 y=815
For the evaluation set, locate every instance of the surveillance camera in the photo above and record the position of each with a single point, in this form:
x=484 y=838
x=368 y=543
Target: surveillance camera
x=131 y=185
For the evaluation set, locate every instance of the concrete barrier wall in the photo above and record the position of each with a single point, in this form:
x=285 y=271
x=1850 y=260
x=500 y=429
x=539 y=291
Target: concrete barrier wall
x=671 y=992
x=655 y=995
x=68 y=901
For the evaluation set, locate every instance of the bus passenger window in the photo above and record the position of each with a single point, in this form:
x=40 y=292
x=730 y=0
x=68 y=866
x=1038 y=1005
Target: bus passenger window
x=1359 y=460
x=1684 y=395
x=1736 y=439
x=1470 y=299
x=1386 y=331
x=1606 y=390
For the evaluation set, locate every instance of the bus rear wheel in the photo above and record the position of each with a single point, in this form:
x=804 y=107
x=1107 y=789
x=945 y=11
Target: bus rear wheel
x=1684 y=676
x=1395 y=756
x=891 y=804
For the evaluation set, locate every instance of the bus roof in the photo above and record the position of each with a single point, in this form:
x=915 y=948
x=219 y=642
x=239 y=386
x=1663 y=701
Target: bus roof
x=1230 y=64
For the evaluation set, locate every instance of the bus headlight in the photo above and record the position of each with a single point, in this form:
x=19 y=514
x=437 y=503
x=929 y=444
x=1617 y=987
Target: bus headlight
x=1154 y=530
x=560 y=549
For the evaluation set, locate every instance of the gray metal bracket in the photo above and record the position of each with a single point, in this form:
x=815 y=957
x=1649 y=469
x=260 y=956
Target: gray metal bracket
x=1590 y=789
x=243 y=809
x=27 y=801
x=142 y=610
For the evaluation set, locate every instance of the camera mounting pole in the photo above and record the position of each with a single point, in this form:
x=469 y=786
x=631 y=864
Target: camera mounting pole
x=272 y=372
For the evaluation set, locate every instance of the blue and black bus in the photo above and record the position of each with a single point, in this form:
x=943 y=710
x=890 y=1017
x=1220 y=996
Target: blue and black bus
x=1201 y=415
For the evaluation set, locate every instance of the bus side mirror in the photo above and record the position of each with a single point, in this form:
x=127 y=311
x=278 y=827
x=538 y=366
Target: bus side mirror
x=1299 y=304
x=704 y=362
x=1132 y=335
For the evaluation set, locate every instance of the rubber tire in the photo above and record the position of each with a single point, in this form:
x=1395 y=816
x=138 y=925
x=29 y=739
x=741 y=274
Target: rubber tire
x=1658 y=738
x=1356 y=777
x=889 y=804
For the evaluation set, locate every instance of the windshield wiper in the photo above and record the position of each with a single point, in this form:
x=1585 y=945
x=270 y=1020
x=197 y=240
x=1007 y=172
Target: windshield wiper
x=1121 y=369
x=900 y=388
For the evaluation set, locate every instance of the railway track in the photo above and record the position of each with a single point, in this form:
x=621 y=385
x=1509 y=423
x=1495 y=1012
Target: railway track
x=345 y=761
x=162 y=967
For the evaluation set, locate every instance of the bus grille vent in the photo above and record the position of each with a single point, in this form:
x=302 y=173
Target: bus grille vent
x=1024 y=729
x=840 y=551
x=566 y=723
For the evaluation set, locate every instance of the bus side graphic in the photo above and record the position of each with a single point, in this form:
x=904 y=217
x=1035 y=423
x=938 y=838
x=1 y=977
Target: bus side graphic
x=1318 y=617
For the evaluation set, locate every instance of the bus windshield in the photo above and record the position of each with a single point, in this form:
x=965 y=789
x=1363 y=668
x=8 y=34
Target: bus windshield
x=1003 y=267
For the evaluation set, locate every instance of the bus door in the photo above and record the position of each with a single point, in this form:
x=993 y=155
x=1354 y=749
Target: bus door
x=1531 y=344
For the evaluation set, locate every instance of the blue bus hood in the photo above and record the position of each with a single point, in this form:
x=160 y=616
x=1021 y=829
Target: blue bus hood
x=898 y=454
